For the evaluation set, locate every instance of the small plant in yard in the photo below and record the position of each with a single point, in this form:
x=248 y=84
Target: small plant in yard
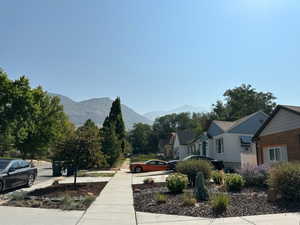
x=176 y=183
x=219 y=203
x=188 y=199
x=18 y=196
x=218 y=177
x=284 y=181
x=234 y=182
x=160 y=198
x=86 y=201
x=201 y=191
x=148 y=181
x=68 y=203
x=192 y=167
x=255 y=176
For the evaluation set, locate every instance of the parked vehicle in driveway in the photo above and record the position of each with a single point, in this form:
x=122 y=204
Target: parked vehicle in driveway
x=216 y=163
x=150 y=165
x=15 y=173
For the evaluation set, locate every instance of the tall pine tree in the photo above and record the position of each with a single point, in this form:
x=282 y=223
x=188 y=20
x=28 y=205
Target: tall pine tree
x=113 y=132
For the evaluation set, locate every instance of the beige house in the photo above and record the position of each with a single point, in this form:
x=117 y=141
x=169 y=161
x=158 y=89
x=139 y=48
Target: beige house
x=279 y=138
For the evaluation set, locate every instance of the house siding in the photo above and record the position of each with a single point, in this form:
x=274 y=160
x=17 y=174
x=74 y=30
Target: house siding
x=290 y=139
x=283 y=121
x=232 y=149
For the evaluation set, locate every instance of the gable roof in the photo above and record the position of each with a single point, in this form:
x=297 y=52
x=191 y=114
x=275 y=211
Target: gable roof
x=224 y=125
x=227 y=126
x=293 y=109
x=185 y=136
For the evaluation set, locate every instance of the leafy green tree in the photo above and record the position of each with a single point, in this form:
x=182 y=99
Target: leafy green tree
x=90 y=133
x=143 y=139
x=242 y=101
x=29 y=116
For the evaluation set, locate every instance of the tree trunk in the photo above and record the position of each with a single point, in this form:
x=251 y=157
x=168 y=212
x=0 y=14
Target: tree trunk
x=75 y=177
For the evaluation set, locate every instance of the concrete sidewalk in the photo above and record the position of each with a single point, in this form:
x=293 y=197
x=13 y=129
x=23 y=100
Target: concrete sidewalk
x=274 y=219
x=114 y=206
x=34 y=216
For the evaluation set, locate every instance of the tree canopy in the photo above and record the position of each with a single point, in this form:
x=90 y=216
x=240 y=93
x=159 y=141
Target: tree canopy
x=242 y=101
x=29 y=118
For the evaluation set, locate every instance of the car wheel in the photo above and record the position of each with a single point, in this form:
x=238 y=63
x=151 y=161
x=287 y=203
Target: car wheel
x=30 y=180
x=1 y=186
x=138 y=169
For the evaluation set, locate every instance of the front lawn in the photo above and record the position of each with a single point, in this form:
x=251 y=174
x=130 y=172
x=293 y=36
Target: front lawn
x=245 y=203
x=198 y=191
x=58 y=196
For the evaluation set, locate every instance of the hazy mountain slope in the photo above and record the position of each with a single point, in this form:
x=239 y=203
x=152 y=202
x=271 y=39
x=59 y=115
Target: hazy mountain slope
x=184 y=108
x=97 y=109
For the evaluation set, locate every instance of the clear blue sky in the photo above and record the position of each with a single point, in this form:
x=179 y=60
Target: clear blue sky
x=155 y=54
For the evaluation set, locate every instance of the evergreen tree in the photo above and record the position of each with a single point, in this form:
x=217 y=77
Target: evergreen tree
x=110 y=144
x=113 y=133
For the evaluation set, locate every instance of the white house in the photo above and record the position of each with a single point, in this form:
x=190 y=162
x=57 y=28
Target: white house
x=180 y=146
x=199 y=146
x=232 y=143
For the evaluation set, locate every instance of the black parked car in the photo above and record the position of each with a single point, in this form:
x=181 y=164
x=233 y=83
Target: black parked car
x=216 y=163
x=15 y=173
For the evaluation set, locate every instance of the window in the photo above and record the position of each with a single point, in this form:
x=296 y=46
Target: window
x=219 y=145
x=204 y=148
x=275 y=154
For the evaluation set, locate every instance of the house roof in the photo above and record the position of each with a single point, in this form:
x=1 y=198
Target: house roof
x=185 y=136
x=167 y=141
x=224 y=125
x=294 y=109
x=227 y=126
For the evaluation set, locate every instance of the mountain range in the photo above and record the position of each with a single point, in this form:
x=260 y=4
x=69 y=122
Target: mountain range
x=97 y=109
x=185 y=108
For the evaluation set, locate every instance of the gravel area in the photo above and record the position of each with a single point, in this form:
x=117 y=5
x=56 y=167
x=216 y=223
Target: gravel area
x=60 y=196
x=248 y=202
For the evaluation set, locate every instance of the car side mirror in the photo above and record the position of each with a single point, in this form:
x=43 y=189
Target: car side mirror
x=11 y=169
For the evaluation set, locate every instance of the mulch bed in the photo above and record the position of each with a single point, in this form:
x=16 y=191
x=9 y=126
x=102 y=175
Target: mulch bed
x=59 y=196
x=246 y=203
x=83 y=189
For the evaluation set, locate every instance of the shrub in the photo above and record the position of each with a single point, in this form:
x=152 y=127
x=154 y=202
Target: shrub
x=87 y=201
x=177 y=182
x=160 y=198
x=188 y=199
x=192 y=167
x=255 y=176
x=200 y=188
x=68 y=203
x=18 y=195
x=148 y=181
x=284 y=181
x=218 y=177
x=234 y=182
x=219 y=203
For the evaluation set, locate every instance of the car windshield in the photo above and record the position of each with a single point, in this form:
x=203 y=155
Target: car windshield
x=188 y=157
x=3 y=164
